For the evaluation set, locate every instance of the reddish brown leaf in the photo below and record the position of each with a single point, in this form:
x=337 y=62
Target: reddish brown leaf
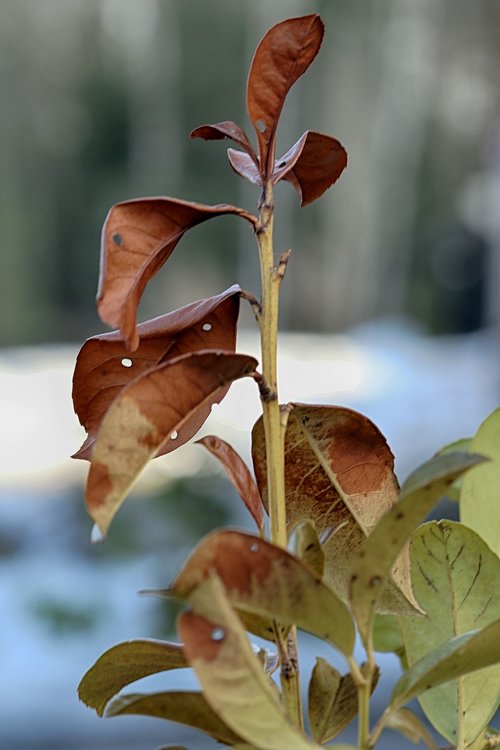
x=283 y=55
x=155 y=408
x=338 y=473
x=104 y=367
x=244 y=166
x=239 y=474
x=137 y=238
x=227 y=129
x=312 y=165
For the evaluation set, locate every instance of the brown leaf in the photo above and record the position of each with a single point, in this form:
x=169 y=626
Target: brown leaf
x=103 y=366
x=339 y=474
x=227 y=129
x=152 y=409
x=244 y=166
x=239 y=474
x=312 y=165
x=137 y=238
x=282 y=56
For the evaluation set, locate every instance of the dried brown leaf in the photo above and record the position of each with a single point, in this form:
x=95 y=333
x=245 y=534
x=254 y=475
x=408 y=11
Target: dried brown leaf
x=312 y=165
x=223 y=130
x=154 y=408
x=282 y=56
x=239 y=474
x=339 y=474
x=104 y=367
x=137 y=238
x=244 y=166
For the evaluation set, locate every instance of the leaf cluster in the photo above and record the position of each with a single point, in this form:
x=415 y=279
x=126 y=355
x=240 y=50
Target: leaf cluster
x=360 y=561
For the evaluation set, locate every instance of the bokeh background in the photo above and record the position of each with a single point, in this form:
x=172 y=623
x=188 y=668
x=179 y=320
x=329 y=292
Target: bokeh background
x=390 y=303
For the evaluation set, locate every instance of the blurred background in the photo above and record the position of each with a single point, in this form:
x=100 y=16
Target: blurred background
x=390 y=304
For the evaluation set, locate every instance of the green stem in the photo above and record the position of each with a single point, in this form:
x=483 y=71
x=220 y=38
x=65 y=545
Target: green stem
x=364 y=696
x=268 y=322
x=271 y=277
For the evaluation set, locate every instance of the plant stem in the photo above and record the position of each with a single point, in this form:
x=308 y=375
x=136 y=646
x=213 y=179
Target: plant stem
x=268 y=321
x=364 y=695
x=271 y=278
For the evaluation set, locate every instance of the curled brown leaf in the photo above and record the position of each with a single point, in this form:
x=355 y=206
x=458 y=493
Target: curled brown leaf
x=227 y=129
x=137 y=238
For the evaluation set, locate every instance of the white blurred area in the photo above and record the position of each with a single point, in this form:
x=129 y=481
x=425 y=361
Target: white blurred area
x=421 y=392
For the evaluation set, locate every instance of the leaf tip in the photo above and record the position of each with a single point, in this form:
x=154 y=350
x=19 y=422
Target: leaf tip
x=97 y=535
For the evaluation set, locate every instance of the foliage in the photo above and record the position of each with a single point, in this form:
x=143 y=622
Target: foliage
x=347 y=551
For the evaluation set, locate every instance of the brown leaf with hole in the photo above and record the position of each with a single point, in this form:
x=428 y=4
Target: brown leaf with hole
x=103 y=366
x=339 y=474
x=312 y=165
x=154 y=408
x=223 y=130
x=239 y=474
x=137 y=238
x=282 y=56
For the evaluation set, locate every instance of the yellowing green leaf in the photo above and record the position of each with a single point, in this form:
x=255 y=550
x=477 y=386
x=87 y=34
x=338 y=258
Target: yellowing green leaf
x=185 y=707
x=263 y=579
x=462 y=655
x=376 y=558
x=230 y=674
x=456 y=578
x=479 y=493
x=125 y=663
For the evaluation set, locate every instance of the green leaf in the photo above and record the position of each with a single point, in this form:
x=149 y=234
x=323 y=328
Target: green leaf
x=406 y=723
x=263 y=579
x=185 y=707
x=231 y=676
x=304 y=543
x=479 y=495
x=463 y=445
x=376 y=558
x=125 y=663
x=462 y=655
x=387 y=636
x=456 y=578
x=332 y=701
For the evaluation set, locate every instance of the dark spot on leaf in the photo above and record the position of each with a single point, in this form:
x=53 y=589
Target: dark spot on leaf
x=118 y=239
x=283 y=164
x=354 y=578
x=362 y=553
x=309 y=547
x=304 y=420
x=399 y=515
